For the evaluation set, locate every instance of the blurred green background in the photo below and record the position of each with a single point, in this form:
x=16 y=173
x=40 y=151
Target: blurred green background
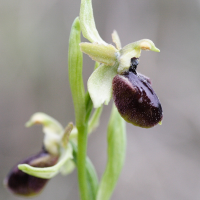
x=162 y=163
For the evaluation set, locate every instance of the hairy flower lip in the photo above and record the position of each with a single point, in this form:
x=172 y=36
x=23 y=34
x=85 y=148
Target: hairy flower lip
x=24 y=184
x=136 y=100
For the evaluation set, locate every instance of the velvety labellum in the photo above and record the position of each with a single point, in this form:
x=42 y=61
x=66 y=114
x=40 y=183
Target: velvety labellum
x=26 y=185
x=136 y=100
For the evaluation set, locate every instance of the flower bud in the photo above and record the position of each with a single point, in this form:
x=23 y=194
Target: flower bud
x=26 y=185
x=135 y=99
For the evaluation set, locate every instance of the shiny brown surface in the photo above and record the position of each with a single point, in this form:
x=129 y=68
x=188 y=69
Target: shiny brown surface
x=23 y=184
x=136 y=100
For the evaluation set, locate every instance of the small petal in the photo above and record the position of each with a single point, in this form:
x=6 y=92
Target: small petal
x=136 y=101
x=148 y=45
x=101 y=53
x=116 y=40
x=66 y=135
x=73 y=134
x=100 y=84
x=48 y=172
x=23 y=184
x=133 y=50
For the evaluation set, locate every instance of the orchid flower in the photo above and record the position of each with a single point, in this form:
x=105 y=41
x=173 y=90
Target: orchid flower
x=116 y=62
x=30 y=176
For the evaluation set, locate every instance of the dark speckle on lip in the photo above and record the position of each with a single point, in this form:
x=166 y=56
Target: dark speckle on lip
x=136 y=100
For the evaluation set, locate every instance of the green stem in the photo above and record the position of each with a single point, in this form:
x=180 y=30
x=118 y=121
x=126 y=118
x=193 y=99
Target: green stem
x=82 y=151
x=81 y=161
x=92 y=178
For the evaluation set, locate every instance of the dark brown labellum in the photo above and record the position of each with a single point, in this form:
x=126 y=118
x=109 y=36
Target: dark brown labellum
x=136 y=100
x=26 y=185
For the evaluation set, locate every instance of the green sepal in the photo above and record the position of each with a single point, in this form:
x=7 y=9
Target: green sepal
x=87 y=22
x=100 y=84
x=116 y=139
x=48 y=172
x=75 y=62
x=101 y=53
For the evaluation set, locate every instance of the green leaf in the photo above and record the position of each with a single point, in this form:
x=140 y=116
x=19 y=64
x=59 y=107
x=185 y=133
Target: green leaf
x=116 y=138
x=48 y=172
x=92 y=179
x=101 y=53
x=75 y=62
x=100 y=84
x=87 y=22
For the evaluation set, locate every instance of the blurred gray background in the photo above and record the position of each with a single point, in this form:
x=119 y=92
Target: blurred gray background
x=162 y=163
